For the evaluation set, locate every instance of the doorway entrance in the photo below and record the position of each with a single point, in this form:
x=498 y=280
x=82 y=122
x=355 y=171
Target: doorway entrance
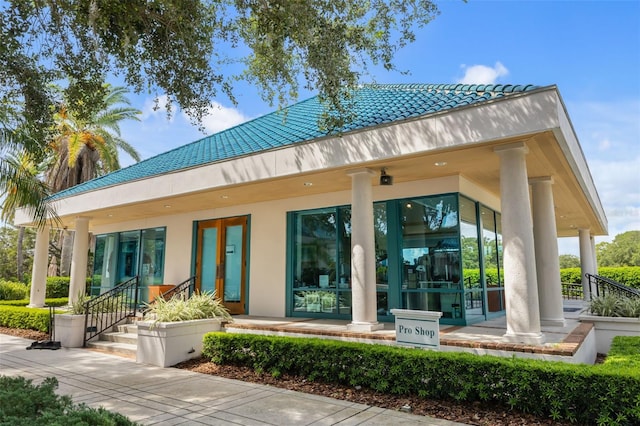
x=221 y=260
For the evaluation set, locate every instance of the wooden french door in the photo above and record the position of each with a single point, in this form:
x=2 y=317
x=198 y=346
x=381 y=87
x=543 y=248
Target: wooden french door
x=221 y=260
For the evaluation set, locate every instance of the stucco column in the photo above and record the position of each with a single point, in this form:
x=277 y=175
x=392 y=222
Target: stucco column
x=595 y=255
x=587 y=264
x=39 y=270
x=79 y=259
x=363 y=254
x=521 y=288
x=545 y=237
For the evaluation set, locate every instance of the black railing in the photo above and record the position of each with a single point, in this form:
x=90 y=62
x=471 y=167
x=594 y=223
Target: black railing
x=185 y=289
x=572 y=291
x=110 y=308
x=601 y=286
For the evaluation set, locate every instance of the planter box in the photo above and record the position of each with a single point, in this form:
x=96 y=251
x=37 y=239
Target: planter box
x=609 y=327
x=69 y=330
x=167 y=343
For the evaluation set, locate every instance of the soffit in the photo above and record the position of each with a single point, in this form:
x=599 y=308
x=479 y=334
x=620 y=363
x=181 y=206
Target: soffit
x=478 y=164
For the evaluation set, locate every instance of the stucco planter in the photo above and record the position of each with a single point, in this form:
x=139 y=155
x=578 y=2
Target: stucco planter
x=609 y=327
x=167 y=343
x=69 y=330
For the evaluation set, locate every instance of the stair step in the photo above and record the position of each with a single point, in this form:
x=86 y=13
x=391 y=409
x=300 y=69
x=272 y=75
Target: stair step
x=125 y=349
x=127 y=328
x=120 y=337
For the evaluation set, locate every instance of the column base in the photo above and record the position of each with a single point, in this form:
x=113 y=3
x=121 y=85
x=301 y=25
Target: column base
x=527 y=338
x=550 y=322
x=35 y=305
x=365 y=326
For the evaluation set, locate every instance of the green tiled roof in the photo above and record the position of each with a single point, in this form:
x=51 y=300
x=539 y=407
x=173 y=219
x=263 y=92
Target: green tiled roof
x=373 y=105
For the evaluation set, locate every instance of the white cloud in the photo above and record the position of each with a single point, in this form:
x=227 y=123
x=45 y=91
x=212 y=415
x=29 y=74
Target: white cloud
x=604 y=145
x=220 y=118
x=482 y=74
x=157 y=107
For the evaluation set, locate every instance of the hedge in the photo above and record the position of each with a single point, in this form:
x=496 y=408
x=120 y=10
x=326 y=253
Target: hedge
x=560 y=391
x=61 y=301
x=11 y=290
x=627 y=275
x=26 y=318
x=23 y=403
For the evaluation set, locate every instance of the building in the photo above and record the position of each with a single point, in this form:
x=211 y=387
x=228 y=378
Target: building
x=433 y=197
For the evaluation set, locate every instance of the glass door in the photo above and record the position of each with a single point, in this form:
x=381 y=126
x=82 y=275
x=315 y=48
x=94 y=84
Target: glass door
x=220 y=261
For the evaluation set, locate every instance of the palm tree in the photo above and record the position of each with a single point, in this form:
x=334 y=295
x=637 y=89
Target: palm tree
x=22 y=182
x=87 y=147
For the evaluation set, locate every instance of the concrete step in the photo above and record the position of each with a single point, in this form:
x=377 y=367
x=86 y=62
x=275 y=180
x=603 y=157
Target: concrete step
x=120 y=337
x=123 y=349
x=127 y=328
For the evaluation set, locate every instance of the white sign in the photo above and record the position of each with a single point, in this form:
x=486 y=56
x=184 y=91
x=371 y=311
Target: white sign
x=417 y=328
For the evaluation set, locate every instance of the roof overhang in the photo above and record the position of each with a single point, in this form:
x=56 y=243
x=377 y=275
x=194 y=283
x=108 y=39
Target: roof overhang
x=464 y=138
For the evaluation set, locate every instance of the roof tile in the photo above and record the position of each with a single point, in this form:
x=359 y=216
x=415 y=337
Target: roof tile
x=371 y=105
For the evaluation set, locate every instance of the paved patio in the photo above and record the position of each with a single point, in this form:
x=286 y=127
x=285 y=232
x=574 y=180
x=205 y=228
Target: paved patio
x=571 y=343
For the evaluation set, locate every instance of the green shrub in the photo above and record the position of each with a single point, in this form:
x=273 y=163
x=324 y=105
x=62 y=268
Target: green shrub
x=615 y=305
x=10 y=290
x=198 y=306
x=627 y=275
x=578 y=393
x=58 y=286
x=24 y=302
x=22 y=403
x=26 y=318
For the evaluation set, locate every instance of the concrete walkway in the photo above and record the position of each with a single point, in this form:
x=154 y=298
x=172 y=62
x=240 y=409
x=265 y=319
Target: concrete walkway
x=169 y=396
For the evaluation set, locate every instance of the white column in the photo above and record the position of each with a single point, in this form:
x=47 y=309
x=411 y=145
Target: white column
x=545 y=237
x=79 y=259
x=595 y=255
x=39 y=270
x=363 y=254
x=521 y=289
x=587 y=265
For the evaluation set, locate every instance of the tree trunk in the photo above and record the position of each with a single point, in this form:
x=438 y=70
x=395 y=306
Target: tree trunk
x=67 y=250
x=20 y=254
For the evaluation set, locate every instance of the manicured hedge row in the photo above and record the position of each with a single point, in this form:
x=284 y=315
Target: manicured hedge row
x=560 y=391
x=627 y=275
x=27 y=318
x=62 y=301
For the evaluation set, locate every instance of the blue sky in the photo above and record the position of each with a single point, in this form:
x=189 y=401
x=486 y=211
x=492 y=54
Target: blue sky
x=589 y=49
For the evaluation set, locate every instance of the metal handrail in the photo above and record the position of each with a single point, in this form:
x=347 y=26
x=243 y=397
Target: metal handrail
x=605 y=285
x=186 y=288
x=572 y=291
x=110 y=308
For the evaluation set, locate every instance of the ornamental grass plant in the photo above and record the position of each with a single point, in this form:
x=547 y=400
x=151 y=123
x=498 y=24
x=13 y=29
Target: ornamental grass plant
x=614 y=305
x=199 y=306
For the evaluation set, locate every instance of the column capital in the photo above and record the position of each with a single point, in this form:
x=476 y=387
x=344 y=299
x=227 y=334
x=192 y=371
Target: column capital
x=512 y=146
x=364 y=170
x=87 y=218
x=541 y=179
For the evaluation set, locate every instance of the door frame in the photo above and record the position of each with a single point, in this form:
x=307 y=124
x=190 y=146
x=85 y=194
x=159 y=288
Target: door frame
x=236 y=308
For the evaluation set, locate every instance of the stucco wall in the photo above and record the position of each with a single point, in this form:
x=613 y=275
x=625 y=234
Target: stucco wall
x=267 y=230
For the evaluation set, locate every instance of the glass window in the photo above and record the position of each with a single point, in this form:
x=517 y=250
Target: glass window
x=104 y=264
x=382 y=258
x=322 y=261
x=490 y=257
x=474 y=305
x=121 y=256
x=431 y=255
